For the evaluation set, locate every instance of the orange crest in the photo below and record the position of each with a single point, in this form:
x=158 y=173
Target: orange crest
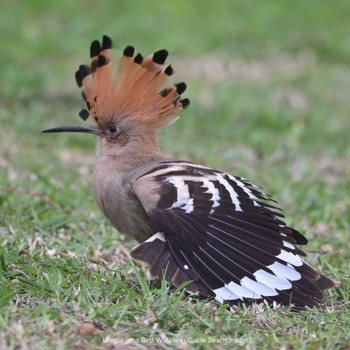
x=129 y=87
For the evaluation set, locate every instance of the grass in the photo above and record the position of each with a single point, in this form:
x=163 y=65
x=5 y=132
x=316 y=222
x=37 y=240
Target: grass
x=269 y=86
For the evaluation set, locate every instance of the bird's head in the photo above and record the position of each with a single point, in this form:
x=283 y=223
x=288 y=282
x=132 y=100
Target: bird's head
x=126 y=96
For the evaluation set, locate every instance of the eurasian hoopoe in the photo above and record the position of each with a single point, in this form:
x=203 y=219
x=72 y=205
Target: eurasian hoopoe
x=218 y=232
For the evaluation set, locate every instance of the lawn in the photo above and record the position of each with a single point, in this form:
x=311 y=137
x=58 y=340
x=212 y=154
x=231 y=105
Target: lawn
x=269 y=84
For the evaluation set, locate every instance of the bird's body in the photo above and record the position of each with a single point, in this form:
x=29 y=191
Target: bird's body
x=112 y=181
x=217 y=232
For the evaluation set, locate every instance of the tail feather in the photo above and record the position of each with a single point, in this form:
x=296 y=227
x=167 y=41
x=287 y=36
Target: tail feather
x=305 y=291
x=155 y=252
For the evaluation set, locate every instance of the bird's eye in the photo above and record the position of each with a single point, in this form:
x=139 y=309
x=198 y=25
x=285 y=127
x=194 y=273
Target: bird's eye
x=113 y=129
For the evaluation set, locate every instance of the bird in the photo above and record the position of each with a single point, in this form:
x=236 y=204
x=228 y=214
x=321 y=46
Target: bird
x=216 y=234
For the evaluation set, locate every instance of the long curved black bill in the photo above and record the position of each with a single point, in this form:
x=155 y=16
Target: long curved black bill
x=88 y=129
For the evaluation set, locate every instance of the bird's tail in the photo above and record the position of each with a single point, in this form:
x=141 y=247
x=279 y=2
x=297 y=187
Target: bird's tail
x=155 y=252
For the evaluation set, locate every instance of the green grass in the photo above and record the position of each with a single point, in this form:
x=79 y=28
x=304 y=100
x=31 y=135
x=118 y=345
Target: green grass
x=269 y=84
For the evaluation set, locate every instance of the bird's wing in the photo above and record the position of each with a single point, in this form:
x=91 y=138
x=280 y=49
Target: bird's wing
x=223 y=234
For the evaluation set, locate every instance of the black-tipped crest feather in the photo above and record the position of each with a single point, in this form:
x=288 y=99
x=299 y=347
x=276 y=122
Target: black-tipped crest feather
x=84 y=71
x=107 y=42
x=95 y=48
x=78 y=78
x=101 y=60
x=160 y=56
x=180 y=88
x=138 y=58
x=185 y=103
x=84 y=114
x=129 y=51
x=169 y=70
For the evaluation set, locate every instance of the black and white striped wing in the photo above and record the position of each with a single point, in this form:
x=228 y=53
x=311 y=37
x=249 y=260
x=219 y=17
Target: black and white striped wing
x=225 y=235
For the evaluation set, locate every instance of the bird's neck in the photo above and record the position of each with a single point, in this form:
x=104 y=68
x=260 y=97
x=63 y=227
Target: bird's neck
x=138 y=151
